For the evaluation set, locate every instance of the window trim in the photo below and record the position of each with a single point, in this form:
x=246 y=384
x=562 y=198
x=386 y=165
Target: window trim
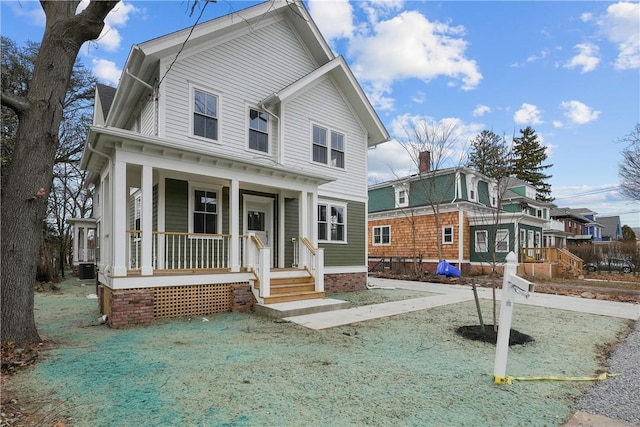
x=249 y=129
x=444 y=234
x=501 y=241
x=486 y=241
x=193 y=186
x=329 y=146
x=192 y=93
x=329 y=205
x=397 y=190
x=381 y=242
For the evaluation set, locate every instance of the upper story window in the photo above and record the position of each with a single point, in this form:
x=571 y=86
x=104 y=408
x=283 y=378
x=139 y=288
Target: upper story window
x=332 y=222
x=447 y=234
x=382 y=235
x=258 y=130
x=328 y=147
x=402 y=196
x=205 y=212
x=205 y=115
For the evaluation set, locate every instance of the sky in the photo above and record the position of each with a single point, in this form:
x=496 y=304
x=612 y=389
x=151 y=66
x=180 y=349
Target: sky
x=570 y=70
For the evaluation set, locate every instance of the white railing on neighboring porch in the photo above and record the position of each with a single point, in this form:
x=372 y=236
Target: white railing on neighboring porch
x=180 y=251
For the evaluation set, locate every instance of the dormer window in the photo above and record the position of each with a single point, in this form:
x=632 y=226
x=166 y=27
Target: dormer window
x=402 y=196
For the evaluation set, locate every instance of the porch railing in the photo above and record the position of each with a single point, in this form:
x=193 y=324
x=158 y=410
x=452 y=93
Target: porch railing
x=180 y=251
x=313 y=260
x=259 y=262
x=559 y=255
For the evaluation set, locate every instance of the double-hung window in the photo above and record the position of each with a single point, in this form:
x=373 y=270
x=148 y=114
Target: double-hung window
x=447 y=234
x=205 y=212
x=382 y=235
x=205 y=115
x=258 y=130
x=332 y=223
x=402 y=195
x=481 y=241
x=328 y=147
x=502 y=241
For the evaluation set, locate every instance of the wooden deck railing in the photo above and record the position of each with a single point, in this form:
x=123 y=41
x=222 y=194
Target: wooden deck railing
x=558 y=255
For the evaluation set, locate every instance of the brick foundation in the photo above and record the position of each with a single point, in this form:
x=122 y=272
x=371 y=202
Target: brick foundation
x=243 y=299
x=131 y=307
x=345 y=282
x=137 y=306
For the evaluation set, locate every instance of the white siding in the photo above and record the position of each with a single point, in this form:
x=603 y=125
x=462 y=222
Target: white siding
x=147 y=126
x=323 y=105
x=242 y=72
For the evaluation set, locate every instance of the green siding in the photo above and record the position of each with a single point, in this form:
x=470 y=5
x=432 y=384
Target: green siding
x=382 y=199
x=290 y=229
x=488 y=256
x=353 y=253
x=522 y=191
x=512 y=207
x=438 y=189
x=176 y=206
x=483 y=193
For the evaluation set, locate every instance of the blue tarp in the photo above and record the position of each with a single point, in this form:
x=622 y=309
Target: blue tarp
x=446 y=269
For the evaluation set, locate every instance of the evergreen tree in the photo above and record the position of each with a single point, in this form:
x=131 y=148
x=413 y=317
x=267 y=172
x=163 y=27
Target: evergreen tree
x=528 y=163
x=490 y=155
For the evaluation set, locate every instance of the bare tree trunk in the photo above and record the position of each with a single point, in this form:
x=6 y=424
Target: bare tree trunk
x=28 y=178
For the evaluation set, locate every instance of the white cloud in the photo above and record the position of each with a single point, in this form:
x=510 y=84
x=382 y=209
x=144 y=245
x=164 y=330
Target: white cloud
x=543 y=54
x=110 y=39
x=557 y=124
x=586 y=17
x=588 y=57
x=410 y=46
x=30 y=10
x=481 y=110
x=620 y=25
x=106 y=71
x=334 y=18
x=528 y=114
x=578 y=112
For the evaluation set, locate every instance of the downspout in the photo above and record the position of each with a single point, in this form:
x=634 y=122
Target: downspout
x=460 y=236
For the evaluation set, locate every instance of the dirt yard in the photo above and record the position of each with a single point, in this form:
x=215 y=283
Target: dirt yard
x=246 y=370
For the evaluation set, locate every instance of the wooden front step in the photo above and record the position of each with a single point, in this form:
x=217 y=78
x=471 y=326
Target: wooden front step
x=297 y=296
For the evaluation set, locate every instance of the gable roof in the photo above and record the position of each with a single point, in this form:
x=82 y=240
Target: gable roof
x=576 y=214
x=105 y=97
x=339 y=70
x=144 y=59
x=610 y=226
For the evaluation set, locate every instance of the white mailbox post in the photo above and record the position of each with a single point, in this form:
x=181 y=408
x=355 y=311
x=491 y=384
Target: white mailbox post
x=512 y=285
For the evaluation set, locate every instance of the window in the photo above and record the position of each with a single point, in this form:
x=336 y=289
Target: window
x=321 y=149
x=447 y=234
x=382 y=235
x=331 y=223
x=481 y=241
x=523 y=238
x=205 y=212
x=205 y=115
x=402 y=196
x=502 y=241
x=258 y=130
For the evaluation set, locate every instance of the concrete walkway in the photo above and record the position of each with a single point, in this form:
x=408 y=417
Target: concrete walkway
x=451 y=294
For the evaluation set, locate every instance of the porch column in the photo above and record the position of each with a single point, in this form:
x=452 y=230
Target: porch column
x=303 y=231
x=76 y=235
x=146 y=225
x=119 y=235
x=234 y=226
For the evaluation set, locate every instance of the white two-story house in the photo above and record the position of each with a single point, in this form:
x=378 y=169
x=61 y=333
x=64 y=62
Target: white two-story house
x=230 y=168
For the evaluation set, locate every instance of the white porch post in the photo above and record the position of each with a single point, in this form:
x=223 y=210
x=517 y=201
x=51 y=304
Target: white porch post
x=76 y=235
x=146 y=225
x=303 y=219
x=119 y=216
x=234 y=215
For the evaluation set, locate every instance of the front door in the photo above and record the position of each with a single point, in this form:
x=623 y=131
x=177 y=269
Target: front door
x=259 y=219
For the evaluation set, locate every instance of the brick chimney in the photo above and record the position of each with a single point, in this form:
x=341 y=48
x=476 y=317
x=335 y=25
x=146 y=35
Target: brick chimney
x=425 y=161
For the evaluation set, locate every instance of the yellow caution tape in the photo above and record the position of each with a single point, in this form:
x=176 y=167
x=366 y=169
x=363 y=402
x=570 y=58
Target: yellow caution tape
x=510 y=379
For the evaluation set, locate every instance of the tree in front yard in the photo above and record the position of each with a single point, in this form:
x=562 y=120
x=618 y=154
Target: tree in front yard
x=28 y=175
x=629 y=167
